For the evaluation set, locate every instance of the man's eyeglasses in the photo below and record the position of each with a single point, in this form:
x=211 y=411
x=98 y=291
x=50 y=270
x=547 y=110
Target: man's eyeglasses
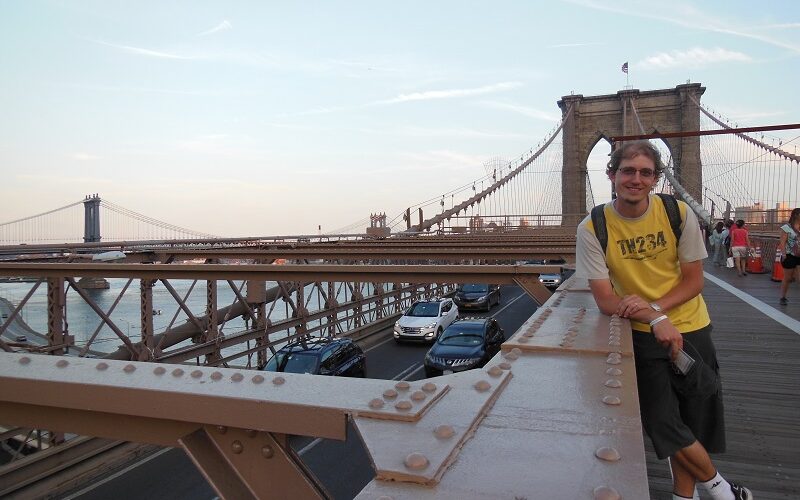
x=645 y=173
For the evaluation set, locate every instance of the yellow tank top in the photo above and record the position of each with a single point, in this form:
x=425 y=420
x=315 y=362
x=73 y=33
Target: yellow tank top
x=642 y=259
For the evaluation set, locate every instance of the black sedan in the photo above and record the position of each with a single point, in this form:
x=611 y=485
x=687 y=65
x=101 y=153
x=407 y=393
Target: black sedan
x=320 y=356
x=477 y=296
x=467 y=343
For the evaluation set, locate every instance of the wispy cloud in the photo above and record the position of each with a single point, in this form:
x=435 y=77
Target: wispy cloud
x=223 y=26
x=563 y=45
x=460 y=132
x=692 y=58
x=523 y=110
x=451 y=93
x=85 y=157
x=415 y=96
x=145 y=52
x=684 y=15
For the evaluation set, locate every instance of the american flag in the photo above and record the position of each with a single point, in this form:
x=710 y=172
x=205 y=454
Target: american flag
x=625 y=67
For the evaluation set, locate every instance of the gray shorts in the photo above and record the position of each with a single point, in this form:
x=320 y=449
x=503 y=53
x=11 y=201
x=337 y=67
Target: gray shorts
x=674 y=421
x=739 y=251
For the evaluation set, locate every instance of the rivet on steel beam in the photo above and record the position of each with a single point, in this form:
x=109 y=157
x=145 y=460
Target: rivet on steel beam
x=418 y=396
x=606 y=493
x=251 y=433
x=278 y=380
x=511 y=356
x=258 y=379
x=416 y=461
x=613 y=361
x=237 y=447
x=389 y=394
x=237 y=377
x=613 y=342
x=505 y=365
x=222 y=429
x=444 y=431
x=516 y=350
x=376 y=404
x=102 y=367
x=61 y=363
x=529 y=333
x=177 y=372
x=482 y=386
x=403 y=405
x=197 y=373
x=429 y=387
x=616 y=372
x=607 y=454
x=402 y=385
x=267 y=451
x=613 y=383
x=24 y=360
x=611 y=400
x=159 y=370
x=495 y=371
x=523 y=340
x=216 y=376
x=129 y=368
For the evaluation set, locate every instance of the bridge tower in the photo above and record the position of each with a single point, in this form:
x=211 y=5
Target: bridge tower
x=595 y=118
x=91 y=218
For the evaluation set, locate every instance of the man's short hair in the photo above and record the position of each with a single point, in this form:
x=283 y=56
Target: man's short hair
x=631 y=149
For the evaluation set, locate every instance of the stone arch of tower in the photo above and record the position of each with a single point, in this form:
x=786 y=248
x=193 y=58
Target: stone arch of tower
x=596 y=118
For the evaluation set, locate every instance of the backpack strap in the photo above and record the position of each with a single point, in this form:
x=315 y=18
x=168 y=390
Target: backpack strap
x=599 y=223
x=670 y=206
x=673 y=213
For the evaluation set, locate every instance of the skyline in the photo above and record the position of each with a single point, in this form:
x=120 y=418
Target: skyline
x=259 y=118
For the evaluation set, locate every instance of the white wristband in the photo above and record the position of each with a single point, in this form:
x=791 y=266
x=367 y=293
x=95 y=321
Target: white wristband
x=658 y=320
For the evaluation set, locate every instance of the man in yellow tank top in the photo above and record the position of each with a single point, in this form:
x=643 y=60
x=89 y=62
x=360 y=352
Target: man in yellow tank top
x=649 y=277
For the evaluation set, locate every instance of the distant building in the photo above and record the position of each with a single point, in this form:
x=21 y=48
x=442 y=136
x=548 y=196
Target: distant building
x=753 y=214
x=779 y=214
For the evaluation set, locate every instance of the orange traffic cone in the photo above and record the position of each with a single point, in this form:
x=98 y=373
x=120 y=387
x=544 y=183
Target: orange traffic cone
x=777 y=268
x=754 y=264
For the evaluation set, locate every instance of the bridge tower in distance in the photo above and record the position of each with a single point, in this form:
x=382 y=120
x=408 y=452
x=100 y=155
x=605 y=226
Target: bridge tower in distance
x=91 y=218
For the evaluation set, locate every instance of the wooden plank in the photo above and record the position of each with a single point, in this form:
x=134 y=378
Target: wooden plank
x=760 y=367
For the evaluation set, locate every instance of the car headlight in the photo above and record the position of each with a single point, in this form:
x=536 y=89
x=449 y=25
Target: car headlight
x=482 y=299
x=428 y=327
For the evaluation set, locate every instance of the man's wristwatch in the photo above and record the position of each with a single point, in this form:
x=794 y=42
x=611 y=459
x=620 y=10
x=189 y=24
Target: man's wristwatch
x=655 y=307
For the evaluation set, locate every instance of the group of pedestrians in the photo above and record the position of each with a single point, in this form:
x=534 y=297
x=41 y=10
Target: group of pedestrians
x=732 y=240
x=729 y=239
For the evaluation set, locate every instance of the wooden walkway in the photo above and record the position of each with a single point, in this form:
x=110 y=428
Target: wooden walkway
x=760 y=365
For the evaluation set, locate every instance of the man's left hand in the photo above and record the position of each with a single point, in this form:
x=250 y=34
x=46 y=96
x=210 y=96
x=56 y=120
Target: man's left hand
x=630 y=305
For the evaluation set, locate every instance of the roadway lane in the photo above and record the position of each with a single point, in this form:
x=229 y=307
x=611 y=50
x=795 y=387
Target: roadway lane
x=171 y=475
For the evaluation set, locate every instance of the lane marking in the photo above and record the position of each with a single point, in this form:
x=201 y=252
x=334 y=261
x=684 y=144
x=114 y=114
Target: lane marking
x=408 y=376
x=117 y=474
x=403 y=373
x=391 y=337
x=763 y=307
x=523 y=294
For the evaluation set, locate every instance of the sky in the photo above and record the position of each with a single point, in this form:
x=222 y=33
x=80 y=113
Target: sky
x=262 y=117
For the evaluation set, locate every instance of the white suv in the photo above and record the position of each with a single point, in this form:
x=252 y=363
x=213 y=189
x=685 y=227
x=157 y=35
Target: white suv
x=425 y=320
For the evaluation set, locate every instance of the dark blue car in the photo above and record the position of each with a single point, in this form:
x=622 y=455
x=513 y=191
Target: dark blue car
x=477 y=296
x=320 y=356
x=467 y=343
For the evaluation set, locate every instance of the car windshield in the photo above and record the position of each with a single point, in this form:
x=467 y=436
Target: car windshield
x=294 y=362
x=475 y=287
x=424 y=309
x=461 y=338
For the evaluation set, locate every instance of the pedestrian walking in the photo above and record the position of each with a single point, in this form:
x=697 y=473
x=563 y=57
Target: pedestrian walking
x=740 y=245
x=789 y=246
x=716 y=241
